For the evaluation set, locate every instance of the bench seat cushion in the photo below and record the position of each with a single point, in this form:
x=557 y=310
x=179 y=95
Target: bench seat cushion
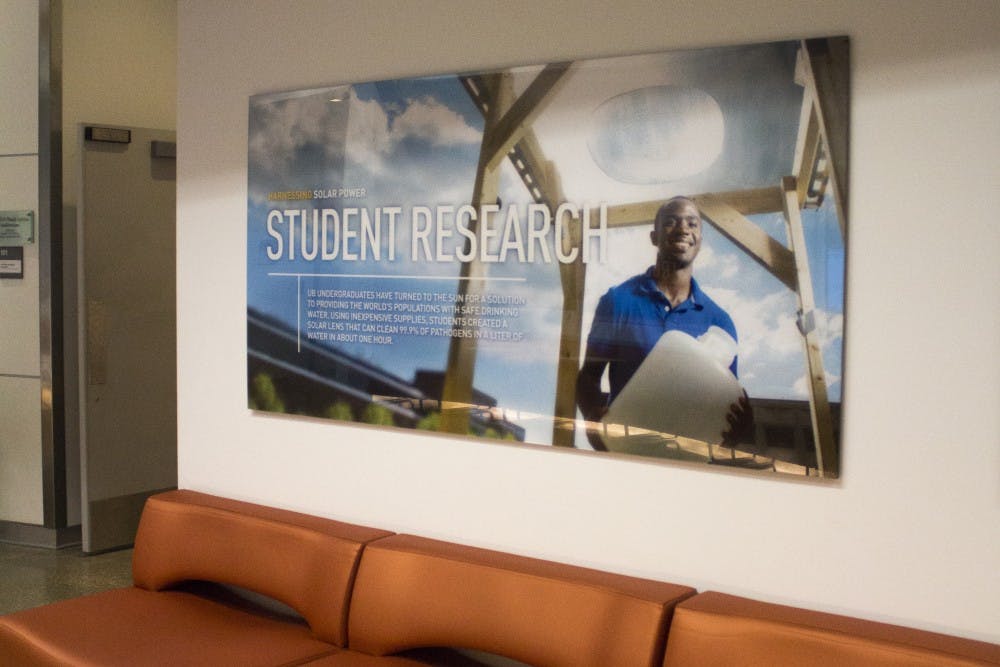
x=306 y=562
x=714 y=629
x=415 y=592
x=132 y=626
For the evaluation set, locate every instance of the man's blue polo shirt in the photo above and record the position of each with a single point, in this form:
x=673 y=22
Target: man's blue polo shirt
x=631 y=317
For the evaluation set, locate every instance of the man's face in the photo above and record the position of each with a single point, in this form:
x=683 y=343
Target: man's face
x=678 y=239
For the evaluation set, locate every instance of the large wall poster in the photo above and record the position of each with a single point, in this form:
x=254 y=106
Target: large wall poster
x=642 y=254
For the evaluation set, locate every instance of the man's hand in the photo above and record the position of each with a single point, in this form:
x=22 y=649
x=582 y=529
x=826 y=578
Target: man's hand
x=741 y=426
x=593 y=402
x=594 y=434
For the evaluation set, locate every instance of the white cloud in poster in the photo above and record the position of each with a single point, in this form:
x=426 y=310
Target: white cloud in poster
x=368 y=138
x=373 y=134
x=831 y=328
x=724 y=265
x=801 y=386
x=428 y=119
x=765 y=325
x=284 y=129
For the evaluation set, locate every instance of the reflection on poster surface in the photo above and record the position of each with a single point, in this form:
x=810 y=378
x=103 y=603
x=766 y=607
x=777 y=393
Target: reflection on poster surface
x=641 y=254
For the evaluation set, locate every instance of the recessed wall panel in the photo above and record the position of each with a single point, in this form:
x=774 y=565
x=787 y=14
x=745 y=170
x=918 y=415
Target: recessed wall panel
x=19 y=44
x=21 y=457
x=19 y=353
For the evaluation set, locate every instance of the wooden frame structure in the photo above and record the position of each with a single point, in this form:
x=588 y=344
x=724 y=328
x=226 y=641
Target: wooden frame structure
x=819 y=170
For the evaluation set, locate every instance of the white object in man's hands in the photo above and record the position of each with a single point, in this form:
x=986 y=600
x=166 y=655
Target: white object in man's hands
x=683 y=388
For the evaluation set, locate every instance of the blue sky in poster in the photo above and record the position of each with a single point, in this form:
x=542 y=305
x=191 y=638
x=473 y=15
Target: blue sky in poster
x=416 y=142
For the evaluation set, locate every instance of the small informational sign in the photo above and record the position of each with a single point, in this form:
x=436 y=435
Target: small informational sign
x=112 y=135
x=12 y=262
x=17 y=228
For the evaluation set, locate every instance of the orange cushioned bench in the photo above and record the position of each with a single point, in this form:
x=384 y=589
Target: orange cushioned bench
x=222 y=582
x=304 y=562
x=716 y=630
x=351 y=595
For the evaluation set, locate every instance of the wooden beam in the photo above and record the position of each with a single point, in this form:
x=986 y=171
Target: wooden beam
x=828 y=79
x=807 y=150
x=749 y=202
x=545 y=179
x=573 y=278
x=517 y=120
x=461 y=367
x=512 y=137
x=819 y=405
x=630 y=215
x=745 y=202
x=538 y=173
x=751 y=239
x=726 y=212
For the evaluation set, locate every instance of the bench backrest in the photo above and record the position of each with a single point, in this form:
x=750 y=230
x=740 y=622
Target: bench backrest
x=413 y=592
x=305 y=562
x=715 y=629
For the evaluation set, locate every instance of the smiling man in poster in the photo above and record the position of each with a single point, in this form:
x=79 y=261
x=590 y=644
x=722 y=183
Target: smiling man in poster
x=632 y=317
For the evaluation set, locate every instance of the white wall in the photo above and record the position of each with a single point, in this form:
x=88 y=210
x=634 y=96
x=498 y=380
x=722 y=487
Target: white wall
x=119 y=67
x=911 y=534
x=20 y=366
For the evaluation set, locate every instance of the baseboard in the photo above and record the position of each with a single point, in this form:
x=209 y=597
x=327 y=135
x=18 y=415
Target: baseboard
x=39 y=536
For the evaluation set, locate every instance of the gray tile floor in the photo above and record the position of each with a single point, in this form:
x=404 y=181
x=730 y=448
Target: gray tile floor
x=30 y=576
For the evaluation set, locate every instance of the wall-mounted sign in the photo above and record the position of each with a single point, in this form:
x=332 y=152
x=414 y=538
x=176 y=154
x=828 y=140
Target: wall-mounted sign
x=551 y=254
x=17 y=228
x=114 y=135
x=11 y=262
